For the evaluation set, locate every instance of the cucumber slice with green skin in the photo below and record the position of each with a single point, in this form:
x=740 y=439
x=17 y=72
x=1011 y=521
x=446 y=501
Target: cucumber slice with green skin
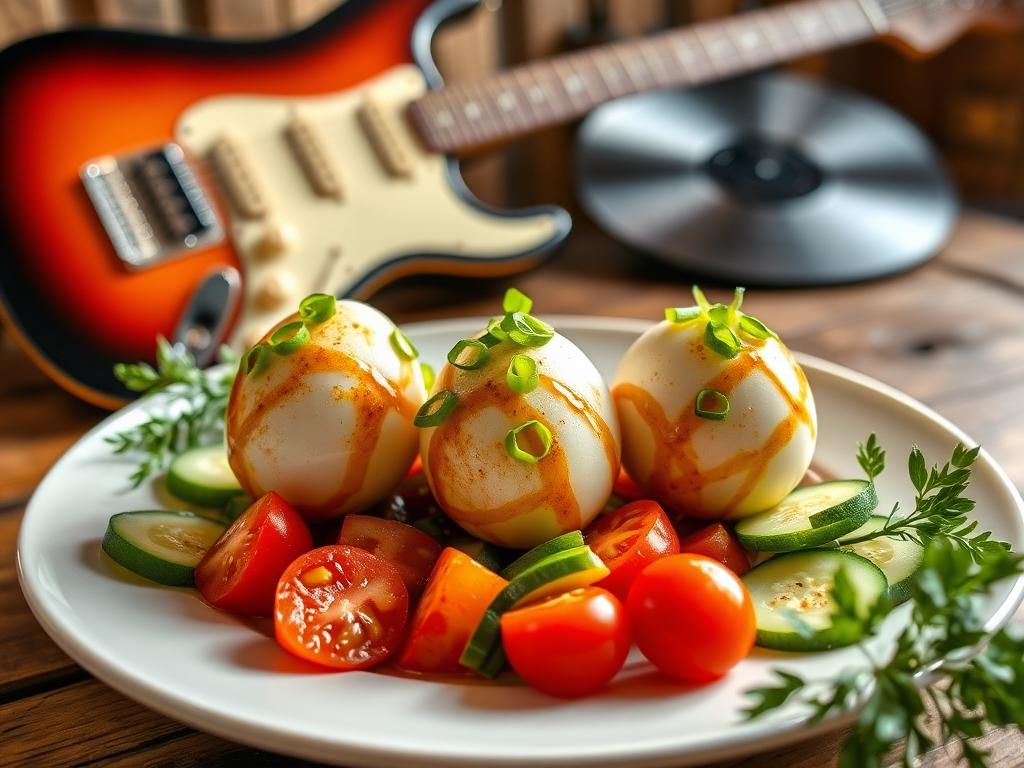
x=563 y=543
x=810 y=516
x=800 y=584
x=488 y=555
x=203 y=477
x=161 y=546
x=561 y=572
x=898 y=558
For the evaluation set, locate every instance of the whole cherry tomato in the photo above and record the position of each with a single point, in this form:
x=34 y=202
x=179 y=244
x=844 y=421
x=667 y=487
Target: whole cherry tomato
x=568 y=646
x=691 y=617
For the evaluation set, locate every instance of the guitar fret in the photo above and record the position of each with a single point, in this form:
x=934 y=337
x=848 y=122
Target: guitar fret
x=544 y=93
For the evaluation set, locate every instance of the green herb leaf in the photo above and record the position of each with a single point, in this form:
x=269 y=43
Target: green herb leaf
x=773 y=697
x=871 y=457
x=196 y=398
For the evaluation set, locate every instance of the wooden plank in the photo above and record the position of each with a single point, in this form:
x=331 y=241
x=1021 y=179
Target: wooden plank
x=152 y=15
x=245 y=18
x=28 y=658
x=36 y=426
x=302 y=13
x=21 y=18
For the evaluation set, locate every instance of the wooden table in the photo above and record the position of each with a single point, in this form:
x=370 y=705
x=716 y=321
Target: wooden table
x=950 y=333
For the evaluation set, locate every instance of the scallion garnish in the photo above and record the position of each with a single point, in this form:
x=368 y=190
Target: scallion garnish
x=734 y=308
x=678 y=315
x=753 y=327
x=256 y=359
x=516 y=301
x=522 y=376
x=711 y=404
x=537 y=447
x=476 y=357
x=428 y=375
x=526 y=330
x=289 y=337
x=436 y=409
x=317 y=307
x=494 y=333
x=721 y=339
x=702 y=302
x=403 y=347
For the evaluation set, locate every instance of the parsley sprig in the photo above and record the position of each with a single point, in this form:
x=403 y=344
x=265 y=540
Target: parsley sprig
x=191 y=415
x=982 y=674
x=940 y=507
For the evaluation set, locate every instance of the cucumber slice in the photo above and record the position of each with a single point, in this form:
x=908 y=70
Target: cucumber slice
x=162 y=546
x=563 y=543
x=488 y=555
x=203 y=477
x=800 y=583
x=810 y=516
x=899 y=559
x=561 y=572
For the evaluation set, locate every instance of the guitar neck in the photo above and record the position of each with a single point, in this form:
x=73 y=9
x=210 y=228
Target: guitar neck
x=461 y=118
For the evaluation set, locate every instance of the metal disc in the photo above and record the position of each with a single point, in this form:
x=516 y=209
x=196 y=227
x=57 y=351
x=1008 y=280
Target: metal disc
x=768 y=179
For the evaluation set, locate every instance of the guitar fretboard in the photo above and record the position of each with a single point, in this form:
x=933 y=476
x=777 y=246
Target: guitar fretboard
x=463 y=117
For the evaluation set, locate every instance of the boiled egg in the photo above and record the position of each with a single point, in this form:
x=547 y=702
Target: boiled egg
x=322 y=409
x=718 y=420
x=520 y=441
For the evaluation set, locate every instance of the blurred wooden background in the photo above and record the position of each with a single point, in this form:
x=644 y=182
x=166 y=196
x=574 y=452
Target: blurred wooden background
x=969 y=99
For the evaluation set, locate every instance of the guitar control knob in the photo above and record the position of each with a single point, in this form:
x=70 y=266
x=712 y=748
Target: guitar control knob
x=277 y=239
x=274 y=291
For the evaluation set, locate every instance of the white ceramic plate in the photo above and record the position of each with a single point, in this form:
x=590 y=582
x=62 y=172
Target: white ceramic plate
x=166 y=649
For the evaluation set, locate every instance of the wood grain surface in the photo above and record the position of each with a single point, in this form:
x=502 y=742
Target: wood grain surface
x=949 y=333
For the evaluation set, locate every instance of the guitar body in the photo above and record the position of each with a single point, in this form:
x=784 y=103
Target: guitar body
x=313 y=178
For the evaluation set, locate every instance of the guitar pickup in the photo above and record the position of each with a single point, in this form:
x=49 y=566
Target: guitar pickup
x=312 y=154
x=378 y=125
x=151 y=205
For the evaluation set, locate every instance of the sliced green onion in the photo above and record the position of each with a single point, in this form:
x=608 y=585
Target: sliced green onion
x=711 y=404
x=516 y=301
x=436 y=409
x=701 y=299
x=734 y=307
x=522 y=376
x=681 y=314
x=428 y=375
x=479 y=360
x=403 y=347
x=494 y=333
x=718 y=314
x=721 y=339
x=256 y=360
x=289 y=337
x=317 y=307
x=751 y=326
x=542 y=442
x=526 y=330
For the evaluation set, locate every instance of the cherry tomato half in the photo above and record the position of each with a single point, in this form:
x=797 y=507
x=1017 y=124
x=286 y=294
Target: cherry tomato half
x=691 y=617
x=569 y=646
x=628 y=539
x=341 y=607
x=409 y=549
x=240 y=571
x=717 y=542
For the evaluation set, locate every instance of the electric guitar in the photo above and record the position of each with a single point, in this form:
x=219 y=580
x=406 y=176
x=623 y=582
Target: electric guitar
x=200 y=189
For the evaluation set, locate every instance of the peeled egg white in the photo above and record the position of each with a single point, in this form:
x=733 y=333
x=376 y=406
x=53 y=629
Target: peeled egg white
x=731 y=468
x=329 y=426
x=504 y=500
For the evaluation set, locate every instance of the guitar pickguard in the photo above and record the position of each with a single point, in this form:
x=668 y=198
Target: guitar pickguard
x=335 y=193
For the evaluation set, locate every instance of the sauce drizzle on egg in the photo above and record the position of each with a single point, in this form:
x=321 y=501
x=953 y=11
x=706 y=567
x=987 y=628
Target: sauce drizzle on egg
x=677 y=478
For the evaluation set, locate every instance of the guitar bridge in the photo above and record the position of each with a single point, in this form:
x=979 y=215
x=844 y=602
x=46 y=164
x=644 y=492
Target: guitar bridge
x=151 y=205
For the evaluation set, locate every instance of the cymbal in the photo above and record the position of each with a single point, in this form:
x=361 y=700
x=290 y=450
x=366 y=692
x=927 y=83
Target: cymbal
x=767 y=179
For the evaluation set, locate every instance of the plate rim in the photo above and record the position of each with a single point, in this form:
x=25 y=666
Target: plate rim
x=766 y=735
